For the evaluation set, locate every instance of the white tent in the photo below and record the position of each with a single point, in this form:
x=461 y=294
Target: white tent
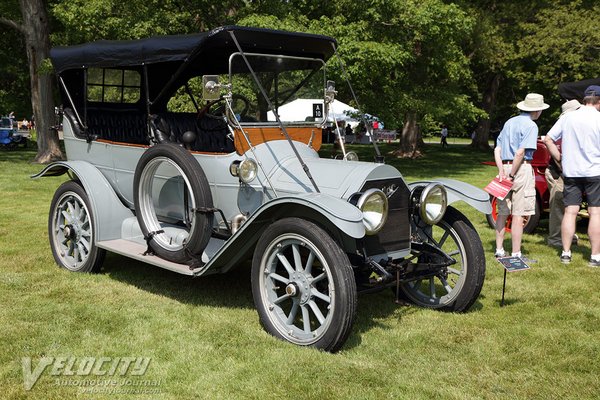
x=304 y=109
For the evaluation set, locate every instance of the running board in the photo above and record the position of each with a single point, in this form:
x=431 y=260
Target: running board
x=136 y=251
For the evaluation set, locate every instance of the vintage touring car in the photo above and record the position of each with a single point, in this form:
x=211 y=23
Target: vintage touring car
x=177 y=157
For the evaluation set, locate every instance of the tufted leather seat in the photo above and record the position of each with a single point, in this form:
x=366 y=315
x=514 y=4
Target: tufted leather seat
x=118 y=126
x=128 y=126
x=114 y=125
x=211 y=133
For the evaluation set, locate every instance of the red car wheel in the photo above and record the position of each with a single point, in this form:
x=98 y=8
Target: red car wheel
x=530 y=223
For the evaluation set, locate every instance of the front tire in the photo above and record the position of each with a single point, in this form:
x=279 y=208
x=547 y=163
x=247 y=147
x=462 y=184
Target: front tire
x=71 y=230
x=303 y=285
x=457 y=286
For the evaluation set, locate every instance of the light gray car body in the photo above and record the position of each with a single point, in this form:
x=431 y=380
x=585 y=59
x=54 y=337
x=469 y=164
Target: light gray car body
x=106 y=172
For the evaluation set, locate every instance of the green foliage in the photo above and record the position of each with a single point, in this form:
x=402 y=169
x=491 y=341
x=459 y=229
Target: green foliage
x=409 y=53
x=14 y=79
x=434 y=58
x=88 y=20
x=46 y=67
x=561 y=44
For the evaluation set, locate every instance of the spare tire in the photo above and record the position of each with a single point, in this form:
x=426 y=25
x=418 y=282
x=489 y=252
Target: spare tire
x=168 y=176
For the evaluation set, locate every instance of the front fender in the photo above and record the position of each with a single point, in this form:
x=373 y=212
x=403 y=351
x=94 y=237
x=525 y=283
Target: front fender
x=340 y=218
x=458 y=190
x=109 y=212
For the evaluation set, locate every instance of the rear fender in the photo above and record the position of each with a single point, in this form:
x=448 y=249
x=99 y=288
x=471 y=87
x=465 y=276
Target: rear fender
x=341 y=219
x=109 y=211
x=458 y=190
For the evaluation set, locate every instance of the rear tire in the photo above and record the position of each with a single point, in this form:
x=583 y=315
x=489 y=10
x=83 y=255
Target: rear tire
x=71 y=230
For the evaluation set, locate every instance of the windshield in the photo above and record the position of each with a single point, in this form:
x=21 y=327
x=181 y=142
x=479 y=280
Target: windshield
x=294 y=86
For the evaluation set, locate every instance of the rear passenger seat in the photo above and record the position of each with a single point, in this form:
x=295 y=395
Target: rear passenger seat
x=126 y=126
x=211 y=133
x=123 y=126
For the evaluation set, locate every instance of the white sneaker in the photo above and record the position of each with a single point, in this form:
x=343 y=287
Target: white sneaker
x=500 y=253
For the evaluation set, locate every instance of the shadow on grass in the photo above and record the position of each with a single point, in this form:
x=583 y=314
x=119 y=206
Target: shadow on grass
x=224 y=290
x=457 y=160
x=507 y=302
x=233 y=290
x=18 y=155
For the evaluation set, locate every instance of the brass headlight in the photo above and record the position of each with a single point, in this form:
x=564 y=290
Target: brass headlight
x=351 y=156
x=374 y=206
x=246 y=170
x=433 y=202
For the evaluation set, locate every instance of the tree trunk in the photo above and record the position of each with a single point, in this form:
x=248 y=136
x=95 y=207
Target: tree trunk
x=36 y=30
x=482 y=132
x=37 y=42
x=410 y=138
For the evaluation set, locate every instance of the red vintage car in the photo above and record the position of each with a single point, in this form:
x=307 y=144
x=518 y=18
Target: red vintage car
x=540 y=161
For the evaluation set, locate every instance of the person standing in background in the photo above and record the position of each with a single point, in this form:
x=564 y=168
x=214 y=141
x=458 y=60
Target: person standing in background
x=349 y=132
x=513 y=154
x=580 y=161
x=444 y=135
x=556 y=185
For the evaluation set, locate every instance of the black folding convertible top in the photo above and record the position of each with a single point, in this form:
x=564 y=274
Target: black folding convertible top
x=574 y=90
x=178 y=48
x=169 y=61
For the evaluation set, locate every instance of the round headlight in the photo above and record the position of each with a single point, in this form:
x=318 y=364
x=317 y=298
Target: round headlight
x=374 y=206
x=433 y=203
x=351 y=156
x=247 y=170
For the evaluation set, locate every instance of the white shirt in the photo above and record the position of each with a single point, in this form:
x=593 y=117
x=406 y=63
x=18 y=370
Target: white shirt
x=580 y=133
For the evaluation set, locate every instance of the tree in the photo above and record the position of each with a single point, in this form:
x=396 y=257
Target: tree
x=89 y=20
x=14 y=84
x=520 y=47
x=34 y=27
x=559 y=45
x=489 y=56
x=409 y=53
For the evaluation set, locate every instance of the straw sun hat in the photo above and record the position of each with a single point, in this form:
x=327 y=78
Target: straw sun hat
x=570 y=105
x=533 y=102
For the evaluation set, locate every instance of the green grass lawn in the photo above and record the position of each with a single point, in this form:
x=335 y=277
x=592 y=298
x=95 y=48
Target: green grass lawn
x=205 y=341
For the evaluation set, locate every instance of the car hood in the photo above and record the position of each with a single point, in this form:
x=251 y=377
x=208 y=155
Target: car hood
x=338 y=178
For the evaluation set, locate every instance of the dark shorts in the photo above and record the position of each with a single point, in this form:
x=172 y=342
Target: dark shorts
x=576 y=187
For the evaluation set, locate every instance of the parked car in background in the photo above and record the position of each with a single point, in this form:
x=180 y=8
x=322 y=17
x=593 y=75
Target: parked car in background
x=540 y=161
x=10 y=138
x=199 y=192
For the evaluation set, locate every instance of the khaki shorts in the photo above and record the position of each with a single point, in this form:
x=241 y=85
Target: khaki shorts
x=521 y=199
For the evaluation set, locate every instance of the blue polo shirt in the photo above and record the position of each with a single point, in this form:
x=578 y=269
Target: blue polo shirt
x=519 y=132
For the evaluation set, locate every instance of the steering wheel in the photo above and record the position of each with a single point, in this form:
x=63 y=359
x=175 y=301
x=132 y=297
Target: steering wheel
x=216 y=108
